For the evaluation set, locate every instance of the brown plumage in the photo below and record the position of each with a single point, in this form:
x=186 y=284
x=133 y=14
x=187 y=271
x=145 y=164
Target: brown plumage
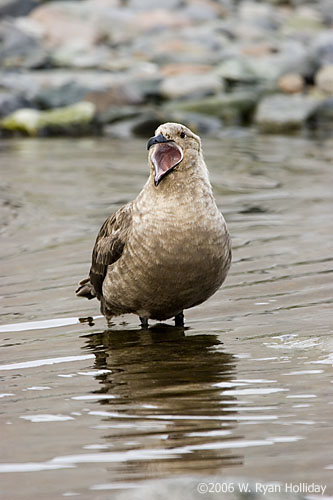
x=169 y=249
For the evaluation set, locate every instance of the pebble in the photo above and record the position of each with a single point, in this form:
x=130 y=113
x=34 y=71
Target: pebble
x=291 y=83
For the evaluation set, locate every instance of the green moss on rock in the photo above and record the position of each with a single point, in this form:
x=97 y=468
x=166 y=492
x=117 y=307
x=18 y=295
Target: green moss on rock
x=78 y=118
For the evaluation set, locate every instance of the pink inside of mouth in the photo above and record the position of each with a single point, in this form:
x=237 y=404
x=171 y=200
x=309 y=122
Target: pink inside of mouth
x=166 y=156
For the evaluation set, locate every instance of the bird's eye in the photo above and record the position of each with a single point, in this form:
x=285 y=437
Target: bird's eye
x=182 y=135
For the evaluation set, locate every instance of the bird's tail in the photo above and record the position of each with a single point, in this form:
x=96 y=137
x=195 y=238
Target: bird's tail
x=85 y=289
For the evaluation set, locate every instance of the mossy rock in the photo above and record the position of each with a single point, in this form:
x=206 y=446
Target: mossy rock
x=24 y=120
x=77 y=119
x=235 y=107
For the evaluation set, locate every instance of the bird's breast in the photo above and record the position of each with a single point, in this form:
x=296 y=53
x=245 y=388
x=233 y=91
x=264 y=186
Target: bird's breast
x=177 y=255
x=176 y=246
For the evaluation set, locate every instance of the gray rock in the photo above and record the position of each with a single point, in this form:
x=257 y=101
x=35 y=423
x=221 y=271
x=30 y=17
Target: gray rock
x=284 y=113
x=200 y=12
x=66 y=22
x=20 y=83
x=150 y=88
x=19 y=49
x=114 y=114
x=260 y=14
x=323 y=118
x=121 y=129
x=14 y=8
x=117 y=25
x=285 y=57
x=321 y=48
x=128 y=122
x=122 y=54
x=191 y=86
x=10 y=102
x=90 y=80
x=199 y=123
x=122 y=94
x=191 y=45
x=236 y=69
x=214 y=488
x=324 y=79
x=76 y=55
x=304 y=21
x=49 y=86
x=233 y=108
x=141 y=126
x=151 y=4
x=325 y=8
x=63 y=95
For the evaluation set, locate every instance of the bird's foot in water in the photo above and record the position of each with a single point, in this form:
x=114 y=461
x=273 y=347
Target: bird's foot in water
x=144 y=322
x=179 y=319
x=109 y=322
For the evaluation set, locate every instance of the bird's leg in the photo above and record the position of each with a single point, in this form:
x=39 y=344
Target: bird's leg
x=109 y=321
x=107 y=313
x=144 y=322
x=179 y=319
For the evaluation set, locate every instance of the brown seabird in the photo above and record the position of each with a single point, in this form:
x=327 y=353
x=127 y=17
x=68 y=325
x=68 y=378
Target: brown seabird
x=169 y=249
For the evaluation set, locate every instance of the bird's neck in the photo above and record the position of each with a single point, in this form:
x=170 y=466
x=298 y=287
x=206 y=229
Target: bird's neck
x=181 y=182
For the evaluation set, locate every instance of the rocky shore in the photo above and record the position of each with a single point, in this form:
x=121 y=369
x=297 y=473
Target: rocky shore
x=121 y=67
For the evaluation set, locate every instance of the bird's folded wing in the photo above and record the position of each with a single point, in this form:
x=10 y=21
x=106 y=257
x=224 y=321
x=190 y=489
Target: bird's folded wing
x=109 y=245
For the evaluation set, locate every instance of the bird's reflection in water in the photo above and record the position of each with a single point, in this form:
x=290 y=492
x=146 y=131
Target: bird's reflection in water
x=163 y=383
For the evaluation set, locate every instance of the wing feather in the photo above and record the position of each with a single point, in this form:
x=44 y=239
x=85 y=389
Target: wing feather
x=109 y=245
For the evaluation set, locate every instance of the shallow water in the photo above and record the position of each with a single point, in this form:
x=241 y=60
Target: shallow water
x=245 y=391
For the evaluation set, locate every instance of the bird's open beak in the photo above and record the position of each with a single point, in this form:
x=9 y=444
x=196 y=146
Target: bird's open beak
x=157 y=139
x=166 y=155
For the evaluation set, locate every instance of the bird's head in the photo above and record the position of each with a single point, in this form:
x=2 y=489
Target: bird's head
x=173 y=145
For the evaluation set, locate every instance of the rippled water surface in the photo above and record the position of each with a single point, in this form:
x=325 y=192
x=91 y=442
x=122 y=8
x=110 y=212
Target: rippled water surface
x=246 y=390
